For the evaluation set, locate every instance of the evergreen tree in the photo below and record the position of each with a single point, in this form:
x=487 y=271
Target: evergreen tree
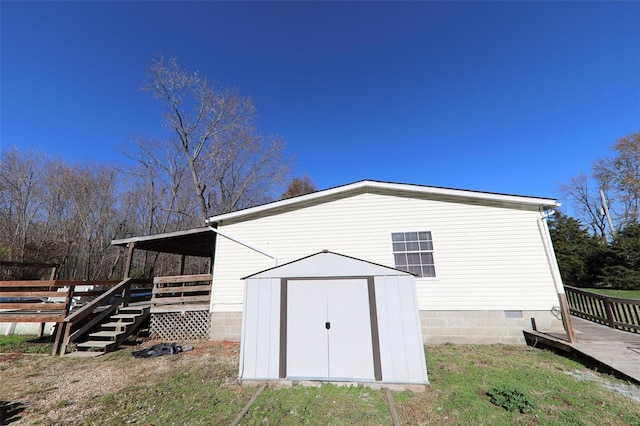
x=621 y=268
x=576 y=250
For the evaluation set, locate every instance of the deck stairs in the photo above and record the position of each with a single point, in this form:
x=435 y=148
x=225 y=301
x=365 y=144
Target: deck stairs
x=113 y=331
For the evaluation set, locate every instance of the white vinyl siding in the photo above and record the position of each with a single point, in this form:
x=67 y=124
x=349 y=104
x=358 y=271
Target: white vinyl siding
x=488 y=257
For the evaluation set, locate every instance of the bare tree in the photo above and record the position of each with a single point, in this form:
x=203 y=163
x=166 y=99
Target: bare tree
x=243 y=169
x=586 y=200
x=618 y=176
x=158 y=188
x=299 y=186
x=53 y=212
x=82 y=210
x=230 y=164
x=157 y=197
x=21 y=176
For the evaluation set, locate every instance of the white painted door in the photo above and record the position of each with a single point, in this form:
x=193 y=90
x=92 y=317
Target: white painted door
x=307 y=349
x=350 y=348
x=329 y=330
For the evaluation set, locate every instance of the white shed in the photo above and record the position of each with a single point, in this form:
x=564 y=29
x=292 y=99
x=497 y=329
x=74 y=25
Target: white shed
x=331 y=317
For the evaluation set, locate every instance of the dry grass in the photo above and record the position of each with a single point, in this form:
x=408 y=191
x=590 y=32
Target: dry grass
x=61 y=390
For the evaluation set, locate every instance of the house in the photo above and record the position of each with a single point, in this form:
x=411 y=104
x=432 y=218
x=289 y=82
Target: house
x=483 y=262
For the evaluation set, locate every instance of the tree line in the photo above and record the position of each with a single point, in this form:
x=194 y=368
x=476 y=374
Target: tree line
x=600 y=246
x=213 y=160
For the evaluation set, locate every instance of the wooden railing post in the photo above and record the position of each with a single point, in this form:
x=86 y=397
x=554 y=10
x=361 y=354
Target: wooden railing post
x=62 y=338
x=69 y=300
x=609 y=310
x=126 y=294
x=65 y=337
x=56 y=342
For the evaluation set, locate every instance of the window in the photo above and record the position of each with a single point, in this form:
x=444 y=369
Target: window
x=413 y=252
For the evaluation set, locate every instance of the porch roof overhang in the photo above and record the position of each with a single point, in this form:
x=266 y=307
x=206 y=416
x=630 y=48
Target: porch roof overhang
x=198 y=242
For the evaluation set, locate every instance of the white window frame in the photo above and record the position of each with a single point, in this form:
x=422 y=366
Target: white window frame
x=431 y=251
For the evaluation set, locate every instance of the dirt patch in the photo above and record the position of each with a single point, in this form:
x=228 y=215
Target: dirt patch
x=451 y=368
x=52 y=388
x=6 y=358
x=628 y=390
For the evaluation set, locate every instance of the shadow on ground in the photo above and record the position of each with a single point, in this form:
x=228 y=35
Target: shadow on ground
x=10 y=411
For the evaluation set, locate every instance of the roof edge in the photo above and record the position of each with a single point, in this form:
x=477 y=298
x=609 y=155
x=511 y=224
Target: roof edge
x=125 y=241
x=372 y=184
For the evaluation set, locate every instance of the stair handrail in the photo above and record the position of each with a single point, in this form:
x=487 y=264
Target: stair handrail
x=64 y=337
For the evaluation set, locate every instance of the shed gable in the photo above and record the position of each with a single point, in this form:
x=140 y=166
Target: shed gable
x=327 y=264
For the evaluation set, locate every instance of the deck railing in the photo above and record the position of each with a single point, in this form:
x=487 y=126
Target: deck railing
x=615 y=312
x=181 y=293
x=41 y=300
x=34 y=301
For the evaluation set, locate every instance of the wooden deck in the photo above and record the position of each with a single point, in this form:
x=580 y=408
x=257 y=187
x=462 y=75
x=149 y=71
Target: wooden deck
x=615 y=349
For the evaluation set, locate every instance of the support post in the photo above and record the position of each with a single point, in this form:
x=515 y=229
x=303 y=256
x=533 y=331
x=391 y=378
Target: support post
x=566 y=317
x=65 y=338
x=54 y=272
x=609 y=310
x=127 y=267
x=62 y=338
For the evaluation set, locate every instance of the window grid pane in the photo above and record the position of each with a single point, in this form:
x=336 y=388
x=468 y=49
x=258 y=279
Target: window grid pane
x=401 y=259
x=413 y=252
x=399 y=236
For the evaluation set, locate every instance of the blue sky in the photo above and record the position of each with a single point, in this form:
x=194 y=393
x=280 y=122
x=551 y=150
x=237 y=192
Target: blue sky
x=512 y=97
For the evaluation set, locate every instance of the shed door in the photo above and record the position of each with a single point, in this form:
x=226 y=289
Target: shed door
x=329 y=329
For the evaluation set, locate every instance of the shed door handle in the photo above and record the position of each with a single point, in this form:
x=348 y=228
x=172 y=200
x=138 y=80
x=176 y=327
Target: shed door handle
x=327 y=325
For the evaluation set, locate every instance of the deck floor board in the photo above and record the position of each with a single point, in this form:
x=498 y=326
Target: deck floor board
x=617 y=349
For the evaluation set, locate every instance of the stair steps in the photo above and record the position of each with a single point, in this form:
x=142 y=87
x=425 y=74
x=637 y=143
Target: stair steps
x=96 y=345
x=83 y=354
x=113 y=331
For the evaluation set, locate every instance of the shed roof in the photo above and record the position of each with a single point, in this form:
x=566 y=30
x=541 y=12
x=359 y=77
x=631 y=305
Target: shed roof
x=400 y=189
x=191 y=242
x=327 y=264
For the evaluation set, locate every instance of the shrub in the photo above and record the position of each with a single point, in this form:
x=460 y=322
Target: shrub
x=511 y=399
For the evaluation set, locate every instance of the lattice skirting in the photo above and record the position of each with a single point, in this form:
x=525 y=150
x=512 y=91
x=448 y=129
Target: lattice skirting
x=193 y=325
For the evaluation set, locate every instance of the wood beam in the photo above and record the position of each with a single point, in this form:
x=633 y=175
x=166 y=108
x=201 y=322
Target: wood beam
x=127 y=268
x=566 y=318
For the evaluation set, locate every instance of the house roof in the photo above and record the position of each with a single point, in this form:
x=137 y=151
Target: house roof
x=191 y=242
x=391 y=188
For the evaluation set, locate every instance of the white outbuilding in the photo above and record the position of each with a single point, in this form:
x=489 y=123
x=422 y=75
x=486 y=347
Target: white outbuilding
x=330 y=317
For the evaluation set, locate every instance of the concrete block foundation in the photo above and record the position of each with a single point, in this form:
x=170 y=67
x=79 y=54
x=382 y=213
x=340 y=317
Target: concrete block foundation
x=226 y=326
x=461 y=327
x=484 y=327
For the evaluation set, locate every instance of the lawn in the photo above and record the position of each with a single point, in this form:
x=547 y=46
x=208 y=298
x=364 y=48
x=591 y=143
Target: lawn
x=201 y=388
x=26 y=344
x=623 y=294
